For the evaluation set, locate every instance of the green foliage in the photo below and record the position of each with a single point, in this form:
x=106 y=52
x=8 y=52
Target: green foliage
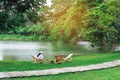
x=102 y=26
x=14 y=13
x=15 y=37
x=96 y=21
x=9 y=23
x=21 y=6
x=38 y=31
x=67 y=28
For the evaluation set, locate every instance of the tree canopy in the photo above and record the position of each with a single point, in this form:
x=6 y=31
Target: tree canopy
x=67 y=25
x=102 y=25
x=12 y=13
x=96 y=21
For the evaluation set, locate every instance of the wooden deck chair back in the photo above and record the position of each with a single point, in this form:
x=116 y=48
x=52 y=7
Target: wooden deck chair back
x=68 y=57
x=35 y=59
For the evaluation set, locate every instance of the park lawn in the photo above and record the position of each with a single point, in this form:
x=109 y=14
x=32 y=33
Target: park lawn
x=76 y=61
x=104 y=74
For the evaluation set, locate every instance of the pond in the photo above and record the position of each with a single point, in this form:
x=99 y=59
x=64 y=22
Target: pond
x=22 y=51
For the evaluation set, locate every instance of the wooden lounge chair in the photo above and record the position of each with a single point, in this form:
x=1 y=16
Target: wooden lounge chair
x=68 y=58
x=60 y=58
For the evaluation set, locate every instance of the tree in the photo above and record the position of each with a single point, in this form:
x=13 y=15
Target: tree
x=22 y=6
x=13 y=13
x=102 y=25
x=59 y=8
x=10 y=22
x=67 y=24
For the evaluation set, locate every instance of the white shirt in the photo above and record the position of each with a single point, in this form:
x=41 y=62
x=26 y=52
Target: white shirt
x=40 y=56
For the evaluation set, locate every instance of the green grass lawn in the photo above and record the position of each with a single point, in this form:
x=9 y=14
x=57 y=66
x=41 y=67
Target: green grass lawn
x=76 y=61
x=105 y=74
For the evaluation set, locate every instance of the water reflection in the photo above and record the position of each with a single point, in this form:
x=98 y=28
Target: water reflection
x=1 y=55
x=16 y=50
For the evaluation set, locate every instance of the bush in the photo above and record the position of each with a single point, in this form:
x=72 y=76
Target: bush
x=37 y=31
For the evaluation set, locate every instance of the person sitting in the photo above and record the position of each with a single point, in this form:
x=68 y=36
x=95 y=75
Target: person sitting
x=39 y=57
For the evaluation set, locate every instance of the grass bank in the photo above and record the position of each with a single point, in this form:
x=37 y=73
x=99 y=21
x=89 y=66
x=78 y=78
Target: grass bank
x=76 y=61
x=20 y=37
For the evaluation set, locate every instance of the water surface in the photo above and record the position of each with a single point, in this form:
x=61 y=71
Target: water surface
x=21 y=50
